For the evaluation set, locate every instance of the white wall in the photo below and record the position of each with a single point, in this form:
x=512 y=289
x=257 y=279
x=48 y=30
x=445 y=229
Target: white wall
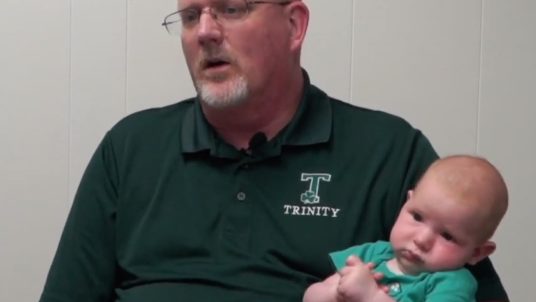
x=463 y=71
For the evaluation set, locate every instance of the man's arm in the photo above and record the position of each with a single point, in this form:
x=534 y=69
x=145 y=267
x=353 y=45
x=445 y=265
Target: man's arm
x=324 y=291
x=84 y=267
x=490 y=288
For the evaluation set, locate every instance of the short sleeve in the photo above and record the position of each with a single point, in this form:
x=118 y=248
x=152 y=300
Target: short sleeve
x=368 y=252
x=84 y=266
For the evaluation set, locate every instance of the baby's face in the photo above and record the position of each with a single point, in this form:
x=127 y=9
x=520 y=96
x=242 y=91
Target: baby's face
x=434 y=231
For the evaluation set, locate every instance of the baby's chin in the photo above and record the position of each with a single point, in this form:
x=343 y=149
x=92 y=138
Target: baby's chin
x=402 y=267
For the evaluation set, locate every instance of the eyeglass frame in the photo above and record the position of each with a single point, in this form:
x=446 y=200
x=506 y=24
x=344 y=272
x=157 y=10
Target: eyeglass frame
x=199 y=12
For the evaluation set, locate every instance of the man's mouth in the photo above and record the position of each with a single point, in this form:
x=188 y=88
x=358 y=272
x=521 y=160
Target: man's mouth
x=214 y=63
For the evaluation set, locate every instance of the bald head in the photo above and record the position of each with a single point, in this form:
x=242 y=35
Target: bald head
x=475 y=183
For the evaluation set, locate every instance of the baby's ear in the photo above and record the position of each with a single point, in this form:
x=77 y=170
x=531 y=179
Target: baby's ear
x=481 y=252
x=410 y=194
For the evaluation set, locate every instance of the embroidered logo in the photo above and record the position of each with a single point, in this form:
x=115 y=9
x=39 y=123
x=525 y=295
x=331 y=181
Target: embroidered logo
x=394 y=288
x=311 y=198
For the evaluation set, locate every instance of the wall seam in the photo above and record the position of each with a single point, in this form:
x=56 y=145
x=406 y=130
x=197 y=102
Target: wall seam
x=69 y=103
x=352 y=52
x=125 y=84
x=479 y=95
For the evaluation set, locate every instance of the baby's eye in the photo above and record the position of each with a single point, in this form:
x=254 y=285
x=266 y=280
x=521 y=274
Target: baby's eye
x=416 y=216
x=447 y=236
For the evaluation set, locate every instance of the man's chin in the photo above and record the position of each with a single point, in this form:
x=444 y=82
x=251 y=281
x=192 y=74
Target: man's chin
x=220 y=99
x=224 y=94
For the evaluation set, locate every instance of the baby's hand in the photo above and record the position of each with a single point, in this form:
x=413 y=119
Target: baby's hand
x=377 y=276
x=358 y=281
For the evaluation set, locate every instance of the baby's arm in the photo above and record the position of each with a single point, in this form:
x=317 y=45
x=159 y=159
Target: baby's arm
x=324 y=291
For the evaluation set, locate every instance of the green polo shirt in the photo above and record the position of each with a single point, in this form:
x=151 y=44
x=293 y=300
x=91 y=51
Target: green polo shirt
x=167 y=211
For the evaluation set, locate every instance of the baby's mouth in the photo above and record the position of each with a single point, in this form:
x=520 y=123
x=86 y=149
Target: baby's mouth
x=411 y=256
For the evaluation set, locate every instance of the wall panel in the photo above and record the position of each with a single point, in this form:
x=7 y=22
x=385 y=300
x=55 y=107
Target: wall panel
x=34 y=71
x=156 y=72
x=420 y=59
x=98 y=77
x=327 y=51
x=507 y=131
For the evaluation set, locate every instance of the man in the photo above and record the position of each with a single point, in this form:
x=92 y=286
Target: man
x=240 y=193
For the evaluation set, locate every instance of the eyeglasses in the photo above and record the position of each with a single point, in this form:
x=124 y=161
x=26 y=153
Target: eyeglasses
x=223 y=11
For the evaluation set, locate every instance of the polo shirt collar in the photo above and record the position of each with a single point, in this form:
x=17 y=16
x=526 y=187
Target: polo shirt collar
x=196 y=133
x=313 y=120
x=310 y=125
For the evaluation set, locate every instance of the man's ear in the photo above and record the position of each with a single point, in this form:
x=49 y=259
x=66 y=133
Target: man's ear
x=299 y=19
x=481 y=252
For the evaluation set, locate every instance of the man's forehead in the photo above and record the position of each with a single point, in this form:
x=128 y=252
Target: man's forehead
x=183 y=3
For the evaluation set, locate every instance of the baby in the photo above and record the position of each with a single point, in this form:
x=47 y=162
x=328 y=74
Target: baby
x=446 y=223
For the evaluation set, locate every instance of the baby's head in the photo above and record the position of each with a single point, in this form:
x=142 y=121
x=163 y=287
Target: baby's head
x=450 y=216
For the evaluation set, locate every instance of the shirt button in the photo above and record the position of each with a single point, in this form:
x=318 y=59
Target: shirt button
x=241 y=196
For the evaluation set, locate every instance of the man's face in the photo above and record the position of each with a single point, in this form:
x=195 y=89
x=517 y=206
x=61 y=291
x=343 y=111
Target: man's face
x=232 y=61
x=434 y=231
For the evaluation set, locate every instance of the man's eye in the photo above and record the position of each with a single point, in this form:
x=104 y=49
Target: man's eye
x=232 y=11
x=189 y=16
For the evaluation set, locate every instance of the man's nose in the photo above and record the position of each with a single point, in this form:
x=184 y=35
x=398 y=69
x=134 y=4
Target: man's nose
x=209 y=29
x=424 y=239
